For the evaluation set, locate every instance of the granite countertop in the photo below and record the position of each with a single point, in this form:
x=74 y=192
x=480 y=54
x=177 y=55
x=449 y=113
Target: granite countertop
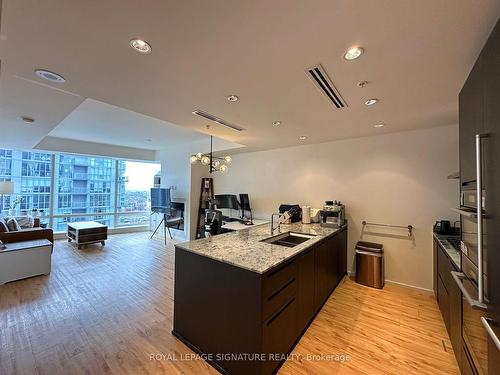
x=453 y=253
x=245 y=249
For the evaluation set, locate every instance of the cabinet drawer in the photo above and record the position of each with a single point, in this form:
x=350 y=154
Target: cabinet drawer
x=278 y=337
x=272 y=304
x=443 y=302
x=277 y=278
x=444 y=268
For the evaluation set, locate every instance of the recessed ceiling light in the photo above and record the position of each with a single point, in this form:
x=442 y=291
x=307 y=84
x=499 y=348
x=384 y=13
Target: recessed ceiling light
x=353 y=53
x=140 y=46
x=371 y=101
x=276 y=123
x=28 y=120
x=362 y=84
x=302 y=137
x=50 y=76
x=379 y=125
x=148 y=139
x=233 y=98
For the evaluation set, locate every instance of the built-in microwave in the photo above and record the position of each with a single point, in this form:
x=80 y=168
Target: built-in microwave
x=468 y=199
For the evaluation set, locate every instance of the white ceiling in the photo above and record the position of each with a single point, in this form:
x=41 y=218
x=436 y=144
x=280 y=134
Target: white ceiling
x=94 y=121
x=418 y=54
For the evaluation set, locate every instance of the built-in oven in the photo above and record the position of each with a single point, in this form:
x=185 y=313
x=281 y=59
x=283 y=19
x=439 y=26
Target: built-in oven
x=473 y=278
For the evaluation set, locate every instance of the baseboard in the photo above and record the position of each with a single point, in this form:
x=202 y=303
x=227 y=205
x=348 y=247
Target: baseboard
x=352 y=275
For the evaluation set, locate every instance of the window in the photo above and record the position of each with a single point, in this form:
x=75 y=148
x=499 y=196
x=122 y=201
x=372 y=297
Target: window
x=31 y=173
x=134 y=184
x=84 y=185
x=112 y=192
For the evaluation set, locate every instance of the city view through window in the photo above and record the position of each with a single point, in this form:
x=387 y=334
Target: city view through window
x=62 y=188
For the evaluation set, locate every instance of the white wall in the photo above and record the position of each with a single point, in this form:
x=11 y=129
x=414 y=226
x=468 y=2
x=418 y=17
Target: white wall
x=397 y=178
x=185 y=180
x=176 y=173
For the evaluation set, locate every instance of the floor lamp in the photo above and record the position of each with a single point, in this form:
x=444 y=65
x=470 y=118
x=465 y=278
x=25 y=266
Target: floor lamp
x=6 y=188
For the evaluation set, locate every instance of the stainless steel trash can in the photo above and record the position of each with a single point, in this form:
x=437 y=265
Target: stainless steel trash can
x=370 y=264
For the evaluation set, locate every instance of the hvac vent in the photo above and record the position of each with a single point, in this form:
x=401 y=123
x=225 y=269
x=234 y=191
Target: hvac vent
x=323 y=82
x=218 y=120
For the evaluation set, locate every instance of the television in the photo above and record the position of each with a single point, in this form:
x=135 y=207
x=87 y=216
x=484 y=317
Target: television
x=160 y=200
x=227 y=201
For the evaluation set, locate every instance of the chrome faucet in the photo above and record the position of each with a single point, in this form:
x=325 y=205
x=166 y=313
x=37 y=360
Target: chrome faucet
x=281 y=218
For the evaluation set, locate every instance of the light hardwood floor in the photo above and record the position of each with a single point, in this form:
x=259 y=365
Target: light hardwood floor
x=106 y=311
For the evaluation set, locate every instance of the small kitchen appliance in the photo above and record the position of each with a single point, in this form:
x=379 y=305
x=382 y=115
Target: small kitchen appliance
x=332 y=215
x=442 y=227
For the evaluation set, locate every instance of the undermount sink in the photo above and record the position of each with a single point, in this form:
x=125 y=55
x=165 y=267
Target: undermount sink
x=289 y=239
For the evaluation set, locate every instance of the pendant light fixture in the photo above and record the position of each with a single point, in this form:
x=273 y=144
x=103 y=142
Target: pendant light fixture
x=216 y=164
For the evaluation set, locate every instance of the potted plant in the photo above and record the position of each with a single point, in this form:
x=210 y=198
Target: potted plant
x=15 y=203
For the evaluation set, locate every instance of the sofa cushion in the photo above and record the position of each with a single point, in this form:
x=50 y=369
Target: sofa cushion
x=3 y=225
x=13 y=225
x=25 y=221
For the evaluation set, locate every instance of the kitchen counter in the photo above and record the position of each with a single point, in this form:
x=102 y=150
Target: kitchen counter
x=245 y=249
x=235 y=294
x=452 y=253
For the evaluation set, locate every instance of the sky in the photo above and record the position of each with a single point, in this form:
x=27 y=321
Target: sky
x=140 y=175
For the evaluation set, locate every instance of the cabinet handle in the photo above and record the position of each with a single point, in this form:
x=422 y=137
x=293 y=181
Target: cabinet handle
x=280 y=311
x=458 y=276
x=465 y=213
x=487 y=325
x=479 y=213
x=280 y=289
x=281 y=268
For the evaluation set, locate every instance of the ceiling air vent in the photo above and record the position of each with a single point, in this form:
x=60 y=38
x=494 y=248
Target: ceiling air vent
x=323 y=82
x=218 y=120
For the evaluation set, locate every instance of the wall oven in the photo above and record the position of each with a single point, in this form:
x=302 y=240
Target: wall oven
x=472 y=280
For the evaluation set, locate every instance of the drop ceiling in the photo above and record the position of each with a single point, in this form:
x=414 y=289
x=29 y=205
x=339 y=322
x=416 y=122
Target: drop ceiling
x=417 y=56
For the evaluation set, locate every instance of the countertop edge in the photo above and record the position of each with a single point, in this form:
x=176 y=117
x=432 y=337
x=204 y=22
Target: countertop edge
x=334 y=232
x=436 y=236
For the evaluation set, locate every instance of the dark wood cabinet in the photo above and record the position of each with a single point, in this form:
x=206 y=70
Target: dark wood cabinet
x=471 y=105
x=324 y=274
x=449 y=297
x=479 y=111
x=341 y=255
x=305 y=293
x=331 y=266
x=221 y=308
x=491 y=168
x=443 y=302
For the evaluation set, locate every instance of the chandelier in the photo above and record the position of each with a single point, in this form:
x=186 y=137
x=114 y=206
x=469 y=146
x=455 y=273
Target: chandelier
x=215 y=163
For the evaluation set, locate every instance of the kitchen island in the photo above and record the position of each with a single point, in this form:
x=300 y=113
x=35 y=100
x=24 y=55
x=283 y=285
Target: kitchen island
x=243 y=303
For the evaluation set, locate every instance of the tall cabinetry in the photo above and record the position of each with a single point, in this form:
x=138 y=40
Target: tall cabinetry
x=491 y=159
x=479 y=113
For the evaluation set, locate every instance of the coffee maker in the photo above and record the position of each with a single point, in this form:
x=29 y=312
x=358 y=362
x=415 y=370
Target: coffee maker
x=332 y=215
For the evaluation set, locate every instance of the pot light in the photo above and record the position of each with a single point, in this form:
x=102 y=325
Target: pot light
x=302 y=137
x=233 y=98
x=276 y=123
x=50 y=76
x=140 y=46
x=380 y=125
x=371 y=101
x=353 y=53
x=28 y=120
